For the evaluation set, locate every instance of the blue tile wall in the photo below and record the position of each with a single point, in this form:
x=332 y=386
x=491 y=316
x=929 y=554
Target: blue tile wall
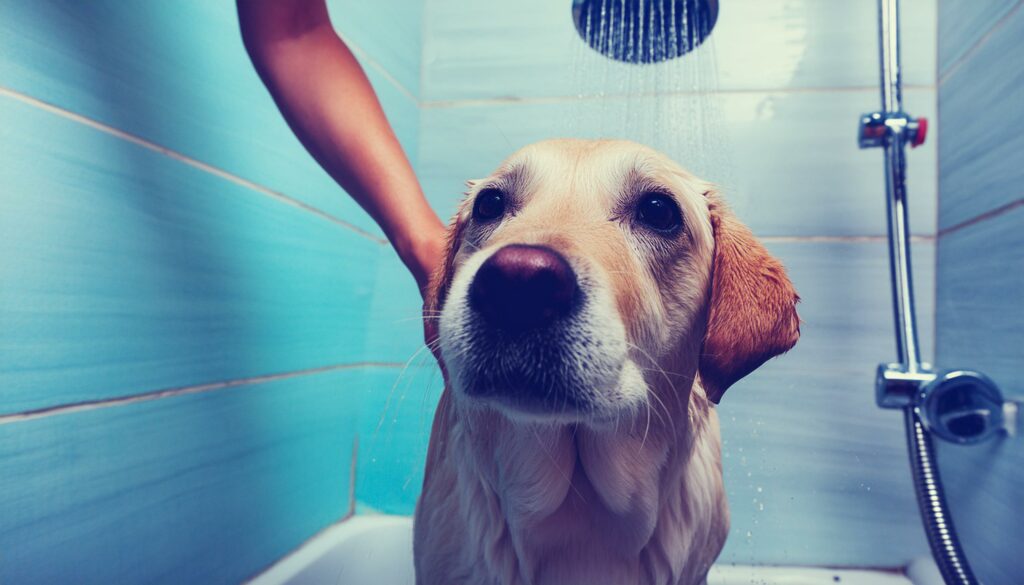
x=388 y=31
x=981 y=147
x=202 y=488
x=126 y=271
x=962 y=24
x=980 y=266
x=175 y=74
x=981 y=326
x=133 y=265
x=396 y=415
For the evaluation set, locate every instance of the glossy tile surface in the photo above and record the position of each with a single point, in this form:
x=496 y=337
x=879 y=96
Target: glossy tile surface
x=126 y=271
x=788 y=161
x=963 y=23
x=981 y=146
x=388 y=31
x=980 y=294
x=980 y=324
x=205 y=488
x=529 y=49
x=980 y=271
x=395 y=417
x=177 y=75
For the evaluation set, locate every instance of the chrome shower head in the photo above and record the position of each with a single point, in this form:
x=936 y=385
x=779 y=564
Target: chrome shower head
x=644 y=31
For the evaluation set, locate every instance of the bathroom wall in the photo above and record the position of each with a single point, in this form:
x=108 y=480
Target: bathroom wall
x=189 y=360
x=185 y=343
x=816 y=473
x=980 y=272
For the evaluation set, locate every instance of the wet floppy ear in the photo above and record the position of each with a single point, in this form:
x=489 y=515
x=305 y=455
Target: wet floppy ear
x=441 y=280
x=752 y=313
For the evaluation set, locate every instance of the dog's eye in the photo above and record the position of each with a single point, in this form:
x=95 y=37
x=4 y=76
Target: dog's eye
x=489 y=205
x=659 y=212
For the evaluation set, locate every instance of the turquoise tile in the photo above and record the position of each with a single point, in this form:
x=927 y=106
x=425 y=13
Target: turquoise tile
x=981 y=148
x=963 y=23
x=789 y=162
x=126 y=271
x=201 y=488
x=396 y=313
x=980 y=279
x=395 y=418
x=388 y=31
x=175 y=74
x=980 y=325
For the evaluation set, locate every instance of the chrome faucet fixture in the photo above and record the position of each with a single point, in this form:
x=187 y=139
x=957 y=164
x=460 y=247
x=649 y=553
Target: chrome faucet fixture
x=959 y=406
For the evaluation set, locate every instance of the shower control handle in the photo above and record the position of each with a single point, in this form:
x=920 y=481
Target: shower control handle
x=879 y=129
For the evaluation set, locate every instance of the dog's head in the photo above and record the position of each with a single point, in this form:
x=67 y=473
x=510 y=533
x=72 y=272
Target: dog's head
x=583 y=274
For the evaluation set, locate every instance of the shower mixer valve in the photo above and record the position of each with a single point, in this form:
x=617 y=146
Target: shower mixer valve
x=879 y=129
x=959 y=406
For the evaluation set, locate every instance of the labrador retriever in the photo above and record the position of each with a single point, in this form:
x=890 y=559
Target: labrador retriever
x=595 y=301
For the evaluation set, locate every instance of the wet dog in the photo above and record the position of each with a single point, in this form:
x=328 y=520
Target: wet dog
x=594 y=301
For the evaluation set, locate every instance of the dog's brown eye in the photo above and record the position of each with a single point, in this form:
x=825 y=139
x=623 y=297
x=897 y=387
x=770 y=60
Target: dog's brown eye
x=489 y=205
x=659 y=212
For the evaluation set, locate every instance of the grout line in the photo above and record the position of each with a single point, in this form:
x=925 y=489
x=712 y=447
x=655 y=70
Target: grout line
x=991 y=214
x=138 y=141
x=366 y=58
x=180 y=391
x=838 y=239
x=454 y=103
x=353 y=468
x=970 y=52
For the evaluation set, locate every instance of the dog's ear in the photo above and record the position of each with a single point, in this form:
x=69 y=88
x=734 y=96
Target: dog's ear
x=752 y=313
x=440 y=282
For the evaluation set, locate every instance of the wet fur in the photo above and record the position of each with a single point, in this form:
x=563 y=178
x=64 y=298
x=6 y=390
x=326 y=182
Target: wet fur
x=508 y=501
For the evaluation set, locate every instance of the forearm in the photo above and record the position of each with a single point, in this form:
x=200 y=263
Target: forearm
x=327 y=100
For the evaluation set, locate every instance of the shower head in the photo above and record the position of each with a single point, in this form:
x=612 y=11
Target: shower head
x=644 y=31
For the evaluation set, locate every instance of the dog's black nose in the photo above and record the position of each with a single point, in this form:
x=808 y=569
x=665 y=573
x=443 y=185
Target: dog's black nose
x=523 y=287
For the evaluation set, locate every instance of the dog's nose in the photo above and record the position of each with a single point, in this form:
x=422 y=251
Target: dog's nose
x=522 y=287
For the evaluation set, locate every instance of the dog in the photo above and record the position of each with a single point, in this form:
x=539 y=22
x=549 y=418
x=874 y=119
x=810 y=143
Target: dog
x=594 y=302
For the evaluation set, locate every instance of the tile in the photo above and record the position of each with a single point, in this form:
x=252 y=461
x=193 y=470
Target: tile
x=395 y=418
x=789 y=162
x=388 y=31
x=395 y=312
x=981 y=148
x=186 y=84
x=530 y=49
x=816 y=473
x=126 y=271
x=980 y=276
x=963 y=24
x=982 y=485
x=202 y=488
